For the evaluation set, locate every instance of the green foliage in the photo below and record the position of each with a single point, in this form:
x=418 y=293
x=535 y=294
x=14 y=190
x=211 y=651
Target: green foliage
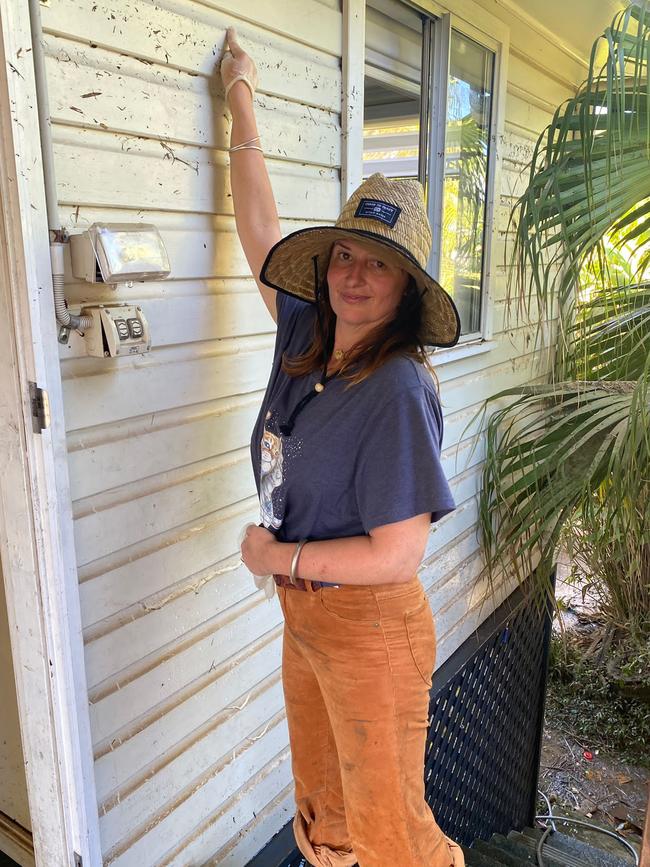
x=610 y=339
x=589 y=171
x=579 y=446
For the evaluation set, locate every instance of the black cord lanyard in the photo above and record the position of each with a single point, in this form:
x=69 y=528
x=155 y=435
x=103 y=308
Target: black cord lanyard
x=287 y=427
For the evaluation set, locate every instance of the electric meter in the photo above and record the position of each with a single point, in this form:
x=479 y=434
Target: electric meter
x=117 y=329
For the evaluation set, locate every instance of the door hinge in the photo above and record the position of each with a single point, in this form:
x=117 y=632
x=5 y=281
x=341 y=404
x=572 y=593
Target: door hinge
x=40 y=407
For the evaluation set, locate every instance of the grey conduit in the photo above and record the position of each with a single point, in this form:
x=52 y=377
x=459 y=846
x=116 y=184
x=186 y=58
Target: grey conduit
x=63 y=315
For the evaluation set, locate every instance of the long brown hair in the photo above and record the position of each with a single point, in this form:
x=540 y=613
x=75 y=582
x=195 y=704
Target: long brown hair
x=397 y=337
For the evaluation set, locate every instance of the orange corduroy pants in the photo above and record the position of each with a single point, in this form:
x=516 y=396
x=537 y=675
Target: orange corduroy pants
x=357 y=666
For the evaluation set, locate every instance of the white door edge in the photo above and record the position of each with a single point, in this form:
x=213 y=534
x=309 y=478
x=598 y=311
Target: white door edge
x=36 y=534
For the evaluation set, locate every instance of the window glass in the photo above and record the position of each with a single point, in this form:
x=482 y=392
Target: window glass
x=469 y=98
x=392 y=90
x=393 y=117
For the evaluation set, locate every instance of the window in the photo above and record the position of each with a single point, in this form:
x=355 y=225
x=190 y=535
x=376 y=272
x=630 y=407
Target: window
x=427 y=115
x=392 y=85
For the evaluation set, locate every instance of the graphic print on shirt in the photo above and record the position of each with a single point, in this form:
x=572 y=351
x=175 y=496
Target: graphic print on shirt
x=270 y=477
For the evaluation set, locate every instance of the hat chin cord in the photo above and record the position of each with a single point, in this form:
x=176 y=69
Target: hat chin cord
x=327 y=350
x=286 y=428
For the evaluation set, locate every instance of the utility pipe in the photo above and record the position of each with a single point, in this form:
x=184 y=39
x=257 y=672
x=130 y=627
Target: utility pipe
x=63 y=315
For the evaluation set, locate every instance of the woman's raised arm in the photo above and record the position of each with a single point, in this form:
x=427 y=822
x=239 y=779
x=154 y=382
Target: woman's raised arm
x=256 y=215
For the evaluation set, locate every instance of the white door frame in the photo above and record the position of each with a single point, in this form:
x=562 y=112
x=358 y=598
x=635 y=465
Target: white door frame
x=36 y=533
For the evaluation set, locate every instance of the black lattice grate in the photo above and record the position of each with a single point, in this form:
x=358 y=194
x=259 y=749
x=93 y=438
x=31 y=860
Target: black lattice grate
x=485 y=724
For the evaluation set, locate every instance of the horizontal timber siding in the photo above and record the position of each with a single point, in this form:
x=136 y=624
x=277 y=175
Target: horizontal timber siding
x=182 y=654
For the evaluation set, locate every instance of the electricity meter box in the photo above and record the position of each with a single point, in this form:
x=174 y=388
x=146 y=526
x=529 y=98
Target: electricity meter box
x=117 y=329
x=119 y=253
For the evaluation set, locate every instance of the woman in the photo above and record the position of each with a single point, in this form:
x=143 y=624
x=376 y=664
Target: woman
x=346 y=453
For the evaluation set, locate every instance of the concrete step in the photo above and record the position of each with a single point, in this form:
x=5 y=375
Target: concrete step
x=519 y=849
x=562 y=845
x=501 y=852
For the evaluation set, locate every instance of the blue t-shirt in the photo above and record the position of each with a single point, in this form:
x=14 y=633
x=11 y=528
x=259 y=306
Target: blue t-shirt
x=359 y=456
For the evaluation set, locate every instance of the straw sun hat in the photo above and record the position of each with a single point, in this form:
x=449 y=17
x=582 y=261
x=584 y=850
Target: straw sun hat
x=382 y=213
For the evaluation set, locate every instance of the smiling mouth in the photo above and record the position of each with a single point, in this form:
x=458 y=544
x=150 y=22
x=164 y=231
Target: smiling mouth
x=353 y=299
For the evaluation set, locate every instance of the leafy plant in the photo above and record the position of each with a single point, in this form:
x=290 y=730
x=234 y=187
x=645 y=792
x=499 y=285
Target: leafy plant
x=578 y=446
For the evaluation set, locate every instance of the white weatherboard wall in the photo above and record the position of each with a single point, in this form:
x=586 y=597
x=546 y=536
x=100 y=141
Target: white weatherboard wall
x=182 y=657
x=182 y=654
x=541 y=74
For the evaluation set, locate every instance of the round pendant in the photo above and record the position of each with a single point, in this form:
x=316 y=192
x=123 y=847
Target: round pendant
x=319 y=387
x=338 y=354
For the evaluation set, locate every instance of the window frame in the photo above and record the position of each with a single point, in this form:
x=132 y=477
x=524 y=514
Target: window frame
x=492 y=34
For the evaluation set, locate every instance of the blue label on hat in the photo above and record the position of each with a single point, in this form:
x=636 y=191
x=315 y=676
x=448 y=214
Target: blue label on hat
x=376 y=210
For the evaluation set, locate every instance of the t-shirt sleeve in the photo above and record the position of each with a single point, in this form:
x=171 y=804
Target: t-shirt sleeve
x=399 y=473
x=295 y=321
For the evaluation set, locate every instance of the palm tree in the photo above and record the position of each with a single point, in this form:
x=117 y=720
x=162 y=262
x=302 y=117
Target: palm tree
x=576 y=449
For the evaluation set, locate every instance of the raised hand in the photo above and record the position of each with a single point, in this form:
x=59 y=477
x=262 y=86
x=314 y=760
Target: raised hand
x=237 y=65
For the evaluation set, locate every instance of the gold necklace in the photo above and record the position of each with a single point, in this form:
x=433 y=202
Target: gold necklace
x=339 y=354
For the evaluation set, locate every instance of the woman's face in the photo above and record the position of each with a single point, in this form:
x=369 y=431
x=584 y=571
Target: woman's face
x=364 y=290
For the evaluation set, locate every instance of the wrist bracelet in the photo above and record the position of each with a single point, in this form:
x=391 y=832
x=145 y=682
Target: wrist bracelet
x=294 y=560
x=244 y=143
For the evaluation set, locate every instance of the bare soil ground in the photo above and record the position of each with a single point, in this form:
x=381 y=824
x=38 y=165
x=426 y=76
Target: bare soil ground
x=605 y=788
x=586 y=777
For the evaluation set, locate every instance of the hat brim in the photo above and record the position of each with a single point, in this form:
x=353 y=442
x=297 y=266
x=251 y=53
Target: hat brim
x=293 y=264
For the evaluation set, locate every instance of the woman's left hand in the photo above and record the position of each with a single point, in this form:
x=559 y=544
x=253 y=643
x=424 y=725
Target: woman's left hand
x=257 y=549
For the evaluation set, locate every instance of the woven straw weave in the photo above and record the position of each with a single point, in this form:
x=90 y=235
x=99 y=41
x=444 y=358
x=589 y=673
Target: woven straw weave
x=290 y=264
x=412 y=229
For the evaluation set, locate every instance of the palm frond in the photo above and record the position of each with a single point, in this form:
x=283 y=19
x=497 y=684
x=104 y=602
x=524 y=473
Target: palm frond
x=610 y=339
x=588 y=170
x=579 y=446
x=554 y=446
